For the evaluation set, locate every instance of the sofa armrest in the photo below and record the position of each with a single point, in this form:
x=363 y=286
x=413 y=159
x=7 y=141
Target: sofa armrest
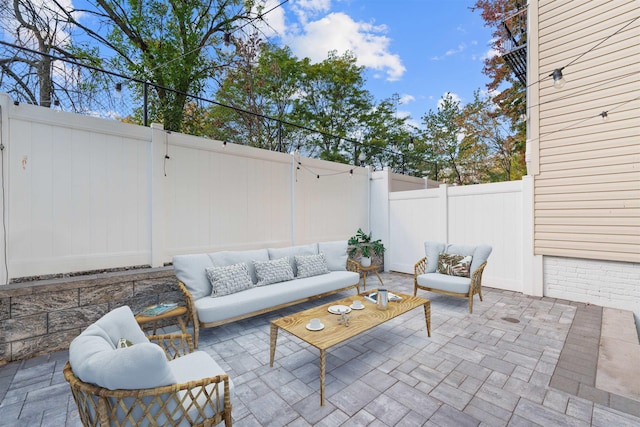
x=476 y=279
x=192 y=314
x=174 y=345
x=352 y=266
x=419 y=267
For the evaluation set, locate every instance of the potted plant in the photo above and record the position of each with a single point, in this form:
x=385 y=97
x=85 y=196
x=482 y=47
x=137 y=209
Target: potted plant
x=362 y=241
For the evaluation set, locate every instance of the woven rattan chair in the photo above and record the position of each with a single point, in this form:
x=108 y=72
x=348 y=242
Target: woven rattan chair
x=426 y=277
x=195 y=402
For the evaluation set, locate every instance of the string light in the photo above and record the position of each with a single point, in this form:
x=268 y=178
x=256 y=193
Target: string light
x=605 y=116
x=558 y=78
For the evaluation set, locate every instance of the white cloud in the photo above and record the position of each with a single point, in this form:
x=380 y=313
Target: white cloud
x=406 y=98
x=490 y=54
x=461 y=47
x=316 y=33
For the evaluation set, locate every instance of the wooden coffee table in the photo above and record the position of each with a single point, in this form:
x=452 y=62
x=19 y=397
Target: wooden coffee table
x=334 y=332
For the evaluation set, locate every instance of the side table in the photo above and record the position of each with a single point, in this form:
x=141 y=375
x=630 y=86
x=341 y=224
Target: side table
x=365 y=270
x=179 y=312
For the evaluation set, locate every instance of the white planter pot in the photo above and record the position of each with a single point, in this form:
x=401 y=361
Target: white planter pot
x=365 y=261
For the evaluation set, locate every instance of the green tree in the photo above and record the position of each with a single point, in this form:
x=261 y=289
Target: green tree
x=483 y=122
x=333 y=101
x=508 y=92
x=174 y=45
x=455 y=154
x=259 y=85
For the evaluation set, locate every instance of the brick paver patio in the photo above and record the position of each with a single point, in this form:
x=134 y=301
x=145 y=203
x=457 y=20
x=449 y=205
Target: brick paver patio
x=510 y=363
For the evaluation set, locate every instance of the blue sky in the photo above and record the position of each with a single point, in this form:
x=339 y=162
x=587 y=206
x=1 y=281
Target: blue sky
x=419 y=49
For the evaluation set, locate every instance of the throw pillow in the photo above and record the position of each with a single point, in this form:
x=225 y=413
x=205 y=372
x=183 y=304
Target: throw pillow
x=273 y=271
x=228 y=280
x=311 y=265
x=454 y=265
x=124 y=343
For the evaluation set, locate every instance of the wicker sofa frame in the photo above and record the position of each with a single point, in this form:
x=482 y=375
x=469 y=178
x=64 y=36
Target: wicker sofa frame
x=99 y=406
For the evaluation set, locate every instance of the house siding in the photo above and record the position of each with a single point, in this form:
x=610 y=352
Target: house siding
x=587 y=171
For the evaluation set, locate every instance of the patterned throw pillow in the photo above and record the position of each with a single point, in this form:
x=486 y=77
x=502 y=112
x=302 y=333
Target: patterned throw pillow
x=273 y=271
x=229 y=279
x=311 y=265
x=454 y=265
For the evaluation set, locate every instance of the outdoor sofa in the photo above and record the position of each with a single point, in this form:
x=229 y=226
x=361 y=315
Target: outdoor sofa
x=227 y=286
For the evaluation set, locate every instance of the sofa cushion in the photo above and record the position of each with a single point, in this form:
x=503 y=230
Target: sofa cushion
x=95 y=358
x=291 y=251
x=190 y=270
x=212 y=310
x=432 y=251
x=335 y=253
x=229 y=279
x=273 y=271
x=445 y=282
x=311 y=265
x=454 y=265
x=224 y=258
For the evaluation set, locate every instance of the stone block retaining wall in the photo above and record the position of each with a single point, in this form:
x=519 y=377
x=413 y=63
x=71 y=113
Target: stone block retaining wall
x=43 y=316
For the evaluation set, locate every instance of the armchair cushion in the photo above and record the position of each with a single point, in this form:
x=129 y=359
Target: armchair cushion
x=95 y=358
x=193 y=367
x=444 y=282
x=432 y=251
x=454 y=265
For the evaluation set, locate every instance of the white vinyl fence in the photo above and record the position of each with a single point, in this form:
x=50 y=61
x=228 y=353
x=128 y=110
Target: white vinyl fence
x=485 y=213
x=81 y=193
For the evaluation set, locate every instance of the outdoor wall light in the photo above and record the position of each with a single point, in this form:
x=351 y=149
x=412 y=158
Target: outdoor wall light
x=558 y=79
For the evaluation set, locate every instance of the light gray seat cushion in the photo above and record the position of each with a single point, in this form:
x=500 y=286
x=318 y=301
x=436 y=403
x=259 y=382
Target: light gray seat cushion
x=445 y=282
x=195 y=366
x=259 y=298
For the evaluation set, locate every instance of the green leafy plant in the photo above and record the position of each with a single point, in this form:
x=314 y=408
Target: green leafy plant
x=362 y=241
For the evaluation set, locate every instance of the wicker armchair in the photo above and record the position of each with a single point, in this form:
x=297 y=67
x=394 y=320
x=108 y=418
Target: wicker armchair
x=426 y=277
x=190 y=401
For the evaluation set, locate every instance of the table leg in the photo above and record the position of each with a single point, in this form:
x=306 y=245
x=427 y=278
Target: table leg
x=427 y=316
x=379 y=278
x=364 y=280
x=272 y=348
x=323 y=362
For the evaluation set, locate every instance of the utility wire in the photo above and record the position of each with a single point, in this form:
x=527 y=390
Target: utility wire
x=592 y=48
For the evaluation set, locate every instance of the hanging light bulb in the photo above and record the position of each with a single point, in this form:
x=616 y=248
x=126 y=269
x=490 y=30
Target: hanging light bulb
x=605 y=116
x=118 y=91
x=411 y=146
x=523 y=116
x=226 y=38
x=558 y=79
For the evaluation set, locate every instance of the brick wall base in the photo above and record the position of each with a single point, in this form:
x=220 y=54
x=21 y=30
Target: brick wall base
x=605 y=283
x=44 y=316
